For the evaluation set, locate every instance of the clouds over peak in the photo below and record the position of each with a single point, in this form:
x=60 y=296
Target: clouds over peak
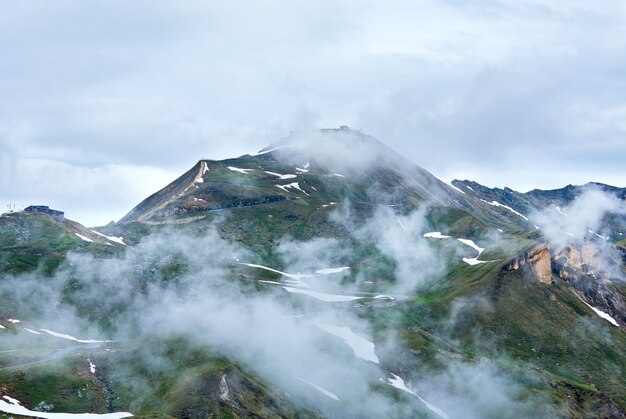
x=507 y=93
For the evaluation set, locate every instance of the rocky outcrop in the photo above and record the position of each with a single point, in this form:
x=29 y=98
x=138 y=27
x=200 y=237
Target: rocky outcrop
x=224 y=390
x=537 y=261
x=583 y=266
x=589 y=273
x=540 y=262
x=585 y=259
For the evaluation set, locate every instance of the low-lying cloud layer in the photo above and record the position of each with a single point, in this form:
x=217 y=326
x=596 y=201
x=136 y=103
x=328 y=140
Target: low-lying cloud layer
x=584 y=216
x=179 y=285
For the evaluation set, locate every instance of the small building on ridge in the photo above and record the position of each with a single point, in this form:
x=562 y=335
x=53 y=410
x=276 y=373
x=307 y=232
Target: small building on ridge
x=45 y=209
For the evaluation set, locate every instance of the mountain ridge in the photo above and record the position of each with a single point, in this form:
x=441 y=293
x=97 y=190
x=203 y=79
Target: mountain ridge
x=372 y=164
x=281 y=163
x=412 y=297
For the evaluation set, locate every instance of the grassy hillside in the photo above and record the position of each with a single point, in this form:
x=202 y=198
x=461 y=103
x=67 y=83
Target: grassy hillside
x=439 y=315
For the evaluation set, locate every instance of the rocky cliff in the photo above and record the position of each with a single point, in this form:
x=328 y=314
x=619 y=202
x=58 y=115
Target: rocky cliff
x=584 y=266
x=537 y=261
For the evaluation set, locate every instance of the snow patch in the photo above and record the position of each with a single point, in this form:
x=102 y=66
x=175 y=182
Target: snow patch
x=87 y=239
x=14 y=407
x=297 y=276
x=602 y=237
x=237 y=169
x=473 y=261
x=203 y=169
x=602 y=314
x=398 y=383
x=384 y=297
x=304 y=168
x=329 y=271
x=362 y=347
x=32 y=331
x=558 y=209
x=92 y=366
x=14 y=321
x=471 y=244
x=281 y=177
x=338 y=175
x=119 y=240
x=320 y=389
x=294 y=185
x=69 y=337
x=436 y=235
x=497 y=204
x=12 y=400
x=329 y=298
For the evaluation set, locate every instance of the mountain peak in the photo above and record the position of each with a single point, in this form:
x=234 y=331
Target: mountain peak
x=326 y=165
x=335 y=149
x=302 y=138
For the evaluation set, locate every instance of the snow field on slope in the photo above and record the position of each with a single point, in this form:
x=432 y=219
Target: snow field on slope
x=14 y=407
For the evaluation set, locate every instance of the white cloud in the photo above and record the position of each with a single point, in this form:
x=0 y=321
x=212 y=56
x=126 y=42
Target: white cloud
x=583 y=215
x=92 y=196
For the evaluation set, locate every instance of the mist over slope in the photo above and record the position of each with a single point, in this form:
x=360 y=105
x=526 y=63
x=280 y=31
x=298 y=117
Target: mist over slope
x=324 y=276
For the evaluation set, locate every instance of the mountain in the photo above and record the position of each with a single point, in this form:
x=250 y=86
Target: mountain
x=331 y=165
x=31 y=239
x=324 y=276
x=554 y=200
x=321 y=168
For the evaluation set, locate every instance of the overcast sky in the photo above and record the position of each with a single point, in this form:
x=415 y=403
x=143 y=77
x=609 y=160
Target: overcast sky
x=104 y=102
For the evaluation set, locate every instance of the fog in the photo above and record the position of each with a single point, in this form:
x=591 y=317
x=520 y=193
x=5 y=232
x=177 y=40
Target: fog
x=584 y=224
x=135 y=296
x=586 y=212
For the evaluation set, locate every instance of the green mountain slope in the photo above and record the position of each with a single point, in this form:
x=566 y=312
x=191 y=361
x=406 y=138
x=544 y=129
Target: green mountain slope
x=325 y=276
x=309 y=169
